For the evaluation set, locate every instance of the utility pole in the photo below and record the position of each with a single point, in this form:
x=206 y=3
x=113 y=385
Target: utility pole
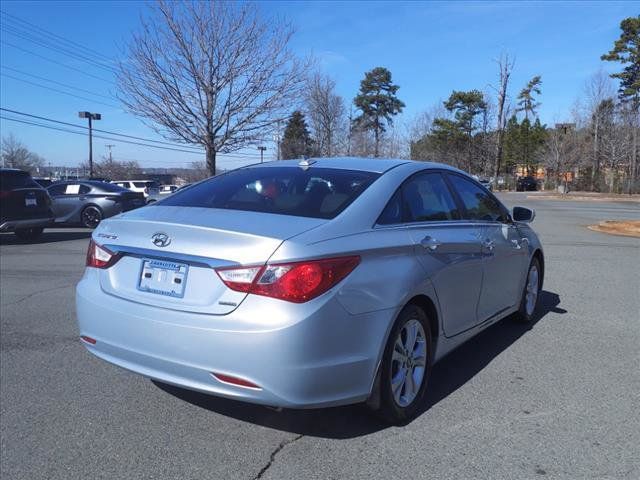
x=262 y=149
x=91 y=117
x=276 y=138
x=110 y=146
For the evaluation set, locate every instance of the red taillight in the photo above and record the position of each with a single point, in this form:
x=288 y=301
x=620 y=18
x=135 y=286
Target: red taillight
x=90 y=340
x=294 y=282
x=99 y=256
x=239 y=382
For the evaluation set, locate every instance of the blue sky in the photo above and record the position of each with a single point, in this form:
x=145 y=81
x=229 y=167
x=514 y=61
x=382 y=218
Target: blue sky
x=431 y=49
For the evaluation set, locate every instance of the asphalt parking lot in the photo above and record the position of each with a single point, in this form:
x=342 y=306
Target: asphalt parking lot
x=557 y=399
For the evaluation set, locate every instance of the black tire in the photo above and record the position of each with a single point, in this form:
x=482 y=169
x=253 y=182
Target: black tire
x=91 y=216
x=390 y=409
x=525 y=313
x=29 y=234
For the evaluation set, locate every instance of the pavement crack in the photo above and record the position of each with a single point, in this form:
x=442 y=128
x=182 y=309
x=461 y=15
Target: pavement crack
x=22 y=299
x=272 y=457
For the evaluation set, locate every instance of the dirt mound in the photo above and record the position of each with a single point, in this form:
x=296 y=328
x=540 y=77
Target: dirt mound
x=628 y=228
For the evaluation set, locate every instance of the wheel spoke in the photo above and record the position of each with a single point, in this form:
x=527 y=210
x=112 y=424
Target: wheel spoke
x=397 y=382
x=410 y=385
x=412 y=333
x=398 y=356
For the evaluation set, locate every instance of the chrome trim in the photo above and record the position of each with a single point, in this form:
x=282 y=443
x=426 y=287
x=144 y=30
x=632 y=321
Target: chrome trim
x=163 y=255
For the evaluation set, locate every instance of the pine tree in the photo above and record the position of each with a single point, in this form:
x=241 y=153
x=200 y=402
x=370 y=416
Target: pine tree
x=465 y=107
x=626 y=50
x=296 y=141
x=526 y=101
x=378 y=103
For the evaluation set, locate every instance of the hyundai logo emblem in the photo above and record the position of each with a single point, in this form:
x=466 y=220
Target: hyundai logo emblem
x=160 y=239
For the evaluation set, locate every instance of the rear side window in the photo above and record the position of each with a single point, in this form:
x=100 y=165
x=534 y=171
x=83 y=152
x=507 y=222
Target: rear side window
x=426 y=198
x=12 y=180
x=423 y=198
x=314 y=192
x=477 y=202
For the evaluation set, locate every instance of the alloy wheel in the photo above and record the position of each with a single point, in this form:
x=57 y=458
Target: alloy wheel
x=531 y=295
x=91 y=217
x=408 y=362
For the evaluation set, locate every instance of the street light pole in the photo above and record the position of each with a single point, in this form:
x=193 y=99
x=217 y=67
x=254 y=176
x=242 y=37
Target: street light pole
x=91 y=117
x=262 y=149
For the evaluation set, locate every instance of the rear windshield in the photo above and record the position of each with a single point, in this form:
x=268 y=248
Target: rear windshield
x=11 y=180
x=315 y=192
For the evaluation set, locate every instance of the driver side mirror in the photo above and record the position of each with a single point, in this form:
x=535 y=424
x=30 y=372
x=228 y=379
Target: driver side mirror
x=523 y=214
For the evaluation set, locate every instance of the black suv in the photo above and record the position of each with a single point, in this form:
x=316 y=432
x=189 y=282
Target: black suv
x=526 y=184
x=25 y=207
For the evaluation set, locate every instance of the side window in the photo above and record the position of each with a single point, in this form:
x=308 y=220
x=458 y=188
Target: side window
x=392 y=213
x=426 y=198
x=84 y=189
x=56 y=189
x=478 y=203
x=72 y=189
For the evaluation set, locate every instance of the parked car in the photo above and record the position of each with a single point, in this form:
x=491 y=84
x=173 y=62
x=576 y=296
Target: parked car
x=167 y=189
x=311 y=284
x=146 y=187
x=88 y=202
x=526 y=184
x=25 y=207
x=486 y=184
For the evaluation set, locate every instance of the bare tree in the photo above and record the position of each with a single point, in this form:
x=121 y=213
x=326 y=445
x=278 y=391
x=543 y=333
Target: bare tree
x=505 y=65
x=598 y=89
x=113 y=169
x=15 y=154
x=326 y=114
x=210 y=73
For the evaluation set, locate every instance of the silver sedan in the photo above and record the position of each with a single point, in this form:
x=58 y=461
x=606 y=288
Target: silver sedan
x=308 y=284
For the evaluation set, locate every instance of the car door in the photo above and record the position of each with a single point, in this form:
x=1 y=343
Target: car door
x=504 y=253
x=66 y=200
x=447 y=248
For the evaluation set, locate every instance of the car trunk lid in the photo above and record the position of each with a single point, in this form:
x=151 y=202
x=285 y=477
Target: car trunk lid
x=199 y=239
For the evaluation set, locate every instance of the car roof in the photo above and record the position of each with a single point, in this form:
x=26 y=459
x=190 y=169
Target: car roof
x=375 y=165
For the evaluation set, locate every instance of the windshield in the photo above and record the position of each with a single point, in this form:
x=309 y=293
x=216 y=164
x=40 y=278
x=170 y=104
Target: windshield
x=315 y=192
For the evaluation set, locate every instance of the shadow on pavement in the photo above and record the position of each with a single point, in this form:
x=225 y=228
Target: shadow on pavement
x=46 y=237
x=351 y=421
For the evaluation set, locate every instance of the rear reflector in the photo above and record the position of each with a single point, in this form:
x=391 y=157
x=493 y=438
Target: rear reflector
x=90 y=340
x=238 y=382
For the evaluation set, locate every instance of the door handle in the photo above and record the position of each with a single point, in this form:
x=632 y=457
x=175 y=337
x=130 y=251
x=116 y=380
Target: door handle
x=430 y=243
x=488 y=246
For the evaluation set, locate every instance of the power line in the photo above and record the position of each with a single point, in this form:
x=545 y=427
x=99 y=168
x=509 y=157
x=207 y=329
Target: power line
x=56 y=48
x=58 y=91
x=66 y=130
x=74 y=125
x=38 y=117
x=57 y=83
x=57 y=62
x=51 y=34
x=97 y=136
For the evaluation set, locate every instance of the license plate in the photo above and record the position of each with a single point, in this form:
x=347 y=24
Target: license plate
x=30 y=202
x=163 y=278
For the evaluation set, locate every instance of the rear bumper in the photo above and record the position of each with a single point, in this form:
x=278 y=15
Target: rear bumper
x=11 y=225
x=301 y=356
